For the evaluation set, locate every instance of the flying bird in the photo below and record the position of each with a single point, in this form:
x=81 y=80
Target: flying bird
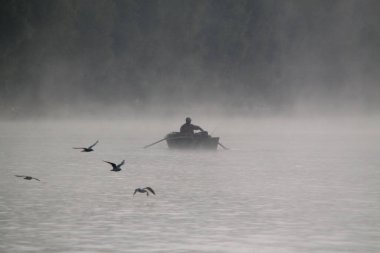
x=144 y=190
x=114 y=166
x=27 y=177
x=89 y=149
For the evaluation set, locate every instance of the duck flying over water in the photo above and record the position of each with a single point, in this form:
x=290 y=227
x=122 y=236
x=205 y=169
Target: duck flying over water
x=27 y=177
x=114 y=166
x=89 y=149
x=144 y=190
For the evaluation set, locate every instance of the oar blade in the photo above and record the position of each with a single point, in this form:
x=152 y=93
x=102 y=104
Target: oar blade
x=220 y=144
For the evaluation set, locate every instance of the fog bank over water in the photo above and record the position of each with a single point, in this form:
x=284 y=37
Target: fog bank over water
x=69 y=58
x=249 y=130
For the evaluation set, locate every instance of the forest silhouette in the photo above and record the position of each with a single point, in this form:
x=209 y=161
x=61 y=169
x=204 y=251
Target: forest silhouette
x=232 y=53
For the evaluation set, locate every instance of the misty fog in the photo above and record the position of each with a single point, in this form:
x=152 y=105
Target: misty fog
x=285 y=95
x=147 y=58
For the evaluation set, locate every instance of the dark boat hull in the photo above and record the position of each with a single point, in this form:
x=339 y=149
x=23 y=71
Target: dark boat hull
x=201 y=140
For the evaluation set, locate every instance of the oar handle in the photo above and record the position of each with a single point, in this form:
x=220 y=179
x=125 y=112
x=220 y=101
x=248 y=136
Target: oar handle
x=147 y=146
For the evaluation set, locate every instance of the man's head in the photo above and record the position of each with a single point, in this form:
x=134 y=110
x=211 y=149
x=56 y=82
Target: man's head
x=188 y=120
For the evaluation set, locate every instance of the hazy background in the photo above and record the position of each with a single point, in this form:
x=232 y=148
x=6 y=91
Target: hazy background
x=291 y=87
x=169 y=57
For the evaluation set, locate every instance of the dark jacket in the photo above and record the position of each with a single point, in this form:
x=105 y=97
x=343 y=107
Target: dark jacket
x=189 y=128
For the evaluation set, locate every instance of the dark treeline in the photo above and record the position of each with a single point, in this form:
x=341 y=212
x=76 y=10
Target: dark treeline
x=235 y=53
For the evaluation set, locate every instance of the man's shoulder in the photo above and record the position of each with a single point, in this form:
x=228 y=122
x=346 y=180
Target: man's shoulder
x=184 y=126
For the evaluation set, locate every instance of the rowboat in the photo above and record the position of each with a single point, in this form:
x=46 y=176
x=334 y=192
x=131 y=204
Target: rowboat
x=201 y=140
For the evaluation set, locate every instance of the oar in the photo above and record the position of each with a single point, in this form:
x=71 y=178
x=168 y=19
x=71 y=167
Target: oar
x=147 y=146
x=220 y=144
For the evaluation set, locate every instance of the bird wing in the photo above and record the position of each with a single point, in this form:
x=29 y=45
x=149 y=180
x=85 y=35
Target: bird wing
x=19 y=176
x=93 y=144
x=113 y=165
x=78 y=148
x=122 y=162
x=135 y=192
x=36 y=179
x=150 y=189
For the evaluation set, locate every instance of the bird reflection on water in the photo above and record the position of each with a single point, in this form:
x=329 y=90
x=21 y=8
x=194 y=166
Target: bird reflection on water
x=27 y=177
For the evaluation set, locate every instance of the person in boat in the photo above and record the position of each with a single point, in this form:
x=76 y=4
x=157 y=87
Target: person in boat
x=188 y=128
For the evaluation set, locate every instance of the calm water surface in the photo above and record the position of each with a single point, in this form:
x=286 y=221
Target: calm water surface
x=273 y=191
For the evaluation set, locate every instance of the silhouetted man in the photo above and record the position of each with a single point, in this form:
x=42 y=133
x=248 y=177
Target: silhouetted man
x=189 y=128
